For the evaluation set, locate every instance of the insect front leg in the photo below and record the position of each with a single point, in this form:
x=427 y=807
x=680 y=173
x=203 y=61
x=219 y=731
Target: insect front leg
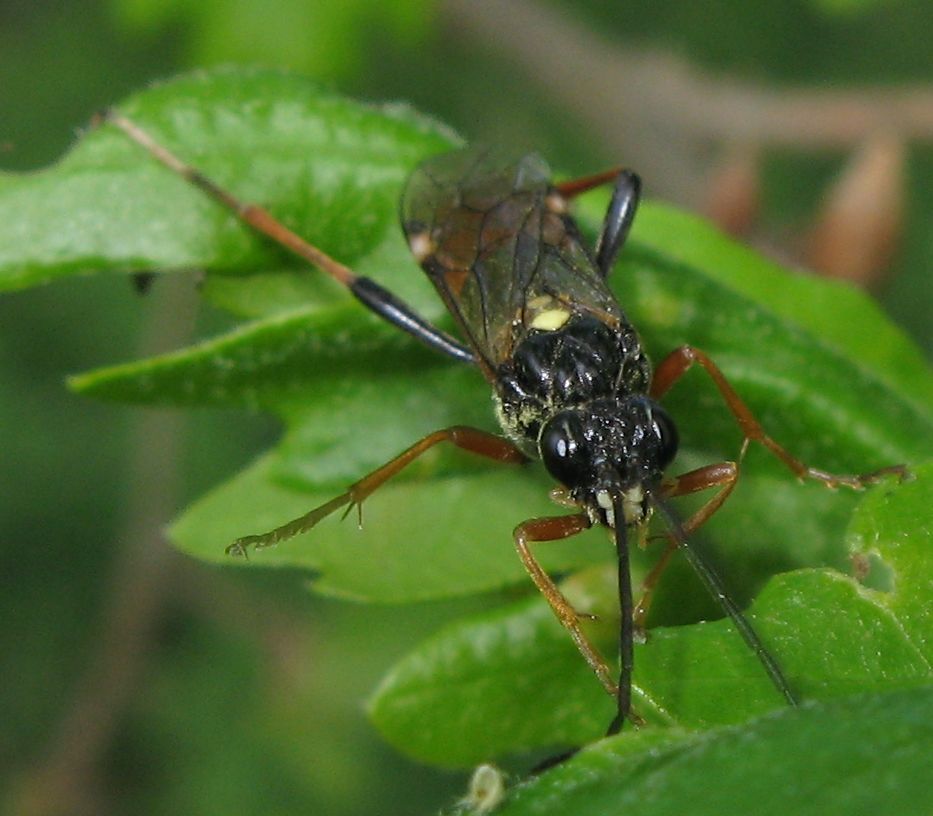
x=554 y=529
x=373 y=296
x=463 y=437
x=678 y=362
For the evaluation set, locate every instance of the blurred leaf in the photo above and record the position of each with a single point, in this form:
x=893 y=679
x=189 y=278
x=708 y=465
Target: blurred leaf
x=864 y=754
x=328 y=39
x=846 y=9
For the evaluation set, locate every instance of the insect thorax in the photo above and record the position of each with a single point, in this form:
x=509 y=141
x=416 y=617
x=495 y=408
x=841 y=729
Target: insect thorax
x=586 y=359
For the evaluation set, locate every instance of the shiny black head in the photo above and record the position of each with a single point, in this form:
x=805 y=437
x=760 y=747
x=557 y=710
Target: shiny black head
x=609 y=448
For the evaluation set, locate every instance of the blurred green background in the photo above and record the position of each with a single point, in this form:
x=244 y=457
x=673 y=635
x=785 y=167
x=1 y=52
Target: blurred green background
x=134 y=680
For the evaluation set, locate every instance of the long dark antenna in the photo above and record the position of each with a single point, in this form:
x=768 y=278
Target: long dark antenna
x=626 y=625
x=716 y=588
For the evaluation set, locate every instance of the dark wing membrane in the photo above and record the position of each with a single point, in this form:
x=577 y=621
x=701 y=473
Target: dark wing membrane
x=499 y=256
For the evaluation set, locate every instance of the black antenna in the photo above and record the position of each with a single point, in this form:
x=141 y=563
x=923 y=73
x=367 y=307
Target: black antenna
x=716 y=588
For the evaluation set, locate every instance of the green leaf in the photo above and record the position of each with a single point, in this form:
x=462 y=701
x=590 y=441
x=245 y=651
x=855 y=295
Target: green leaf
x=511 y=680
x=500 y=682
x=819 y=365
x=329 y=38
x=292 y=356
x=893 y=530
x=834 y=313
x=864 y=754
x=272 y=137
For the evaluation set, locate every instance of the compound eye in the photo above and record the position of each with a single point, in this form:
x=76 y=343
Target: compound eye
x=564 y=449
x=668 y=438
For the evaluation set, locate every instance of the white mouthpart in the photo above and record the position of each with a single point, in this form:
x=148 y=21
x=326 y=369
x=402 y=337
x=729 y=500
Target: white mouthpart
x=605 y=503
x=632 y=505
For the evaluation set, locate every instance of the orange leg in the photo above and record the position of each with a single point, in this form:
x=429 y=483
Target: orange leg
x=723 y=475
x=554 y=529
x=679 y=361
x=469 y=439
x=258 y=218
x=574 y=187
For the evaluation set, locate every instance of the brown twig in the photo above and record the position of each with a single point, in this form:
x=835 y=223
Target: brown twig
x=858 y=227
x=661 y=113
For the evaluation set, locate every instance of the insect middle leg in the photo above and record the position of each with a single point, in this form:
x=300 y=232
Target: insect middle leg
x=723 y=475
x=679 y=361
x=374 y=297
x=462 y=436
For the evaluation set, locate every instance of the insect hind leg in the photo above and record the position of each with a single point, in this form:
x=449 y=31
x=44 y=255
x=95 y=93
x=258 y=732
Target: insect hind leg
x=618 y=221
x=626 y=192
x=373 y=296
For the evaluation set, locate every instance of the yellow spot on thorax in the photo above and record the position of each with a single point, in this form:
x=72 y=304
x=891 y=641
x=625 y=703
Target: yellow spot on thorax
x=550 y=319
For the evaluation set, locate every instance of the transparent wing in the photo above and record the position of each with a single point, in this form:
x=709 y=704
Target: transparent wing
x=492 y=237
